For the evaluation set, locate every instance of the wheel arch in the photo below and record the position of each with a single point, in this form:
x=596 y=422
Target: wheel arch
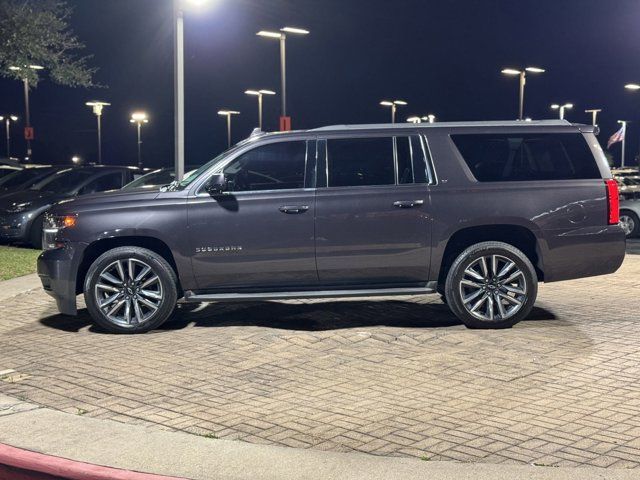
x=518 y=236
x=97 y=248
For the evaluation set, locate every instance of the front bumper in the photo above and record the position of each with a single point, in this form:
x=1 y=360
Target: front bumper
x=58 y=270
x=15 y=226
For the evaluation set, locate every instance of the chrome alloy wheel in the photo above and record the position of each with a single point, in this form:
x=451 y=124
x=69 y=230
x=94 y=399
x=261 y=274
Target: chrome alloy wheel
x=493 y=288
x=128 y=292
x=627 y=224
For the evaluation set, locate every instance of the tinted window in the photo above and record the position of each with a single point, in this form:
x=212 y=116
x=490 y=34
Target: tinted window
x=494 y=158
x=21 y=177
x=276 y=166
x=370 y=161
x=112 y=181
x=153 y=179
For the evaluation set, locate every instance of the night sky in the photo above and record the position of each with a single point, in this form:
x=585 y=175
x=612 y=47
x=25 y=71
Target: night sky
x=441 y=56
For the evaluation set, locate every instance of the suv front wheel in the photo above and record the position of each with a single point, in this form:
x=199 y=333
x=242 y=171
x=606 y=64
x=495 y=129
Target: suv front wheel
x=130 y=290
x=491 y=285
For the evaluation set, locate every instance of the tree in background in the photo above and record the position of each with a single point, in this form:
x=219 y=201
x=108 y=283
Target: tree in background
x=36 y=32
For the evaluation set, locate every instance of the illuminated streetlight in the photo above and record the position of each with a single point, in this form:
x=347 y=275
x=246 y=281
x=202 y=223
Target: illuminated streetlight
x=632 y=86
x=394 y=106
x=97 y=107
x=139 y=118
x=561 y=108
x=28 y=130
x=259 y=94
x=594 y=115
x=414 y=120
x=228 y=114
x=76 y=160
x=522 y=74
x=285 y=121
x=8 y=119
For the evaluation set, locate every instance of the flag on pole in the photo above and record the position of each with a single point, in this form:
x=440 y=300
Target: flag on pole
x=618 y=136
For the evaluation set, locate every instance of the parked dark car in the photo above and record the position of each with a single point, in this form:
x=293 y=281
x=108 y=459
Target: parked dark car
x=26 y=178
x=22 y=212
x=479 y=212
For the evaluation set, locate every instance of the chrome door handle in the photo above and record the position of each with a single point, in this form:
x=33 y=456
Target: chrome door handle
x=294 y=208
x=408 y=203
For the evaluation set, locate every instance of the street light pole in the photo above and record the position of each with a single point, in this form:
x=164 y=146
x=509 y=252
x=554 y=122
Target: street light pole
x=285 y=121
x=594 y=115
x=139 y=118
x=28 y=131
x=178 y=92
x=522 y=74
x=97 y=107
x=624 y=139
x=8 y=119
x=561 y=108
x=259 y=94
x=228 y=114
x=394 y=106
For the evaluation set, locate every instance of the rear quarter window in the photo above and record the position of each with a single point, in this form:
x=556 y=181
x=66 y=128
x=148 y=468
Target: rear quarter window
x=522 y=157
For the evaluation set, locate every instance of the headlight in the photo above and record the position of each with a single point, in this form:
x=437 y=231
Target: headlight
x=52 y=225
x=18 y=207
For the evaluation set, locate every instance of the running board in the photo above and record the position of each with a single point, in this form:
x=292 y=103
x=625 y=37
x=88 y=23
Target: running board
x=189 y=296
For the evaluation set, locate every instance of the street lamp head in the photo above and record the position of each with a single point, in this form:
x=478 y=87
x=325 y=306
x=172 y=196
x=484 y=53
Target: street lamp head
x=76 y=159
x=268 y=34
x=511 y=71
x=139 y=117
x=298 y=31
x=555 y=106
x=228 y=112
x=386 y=103
x=535 y=70
x=14 y=69
x=97 y=106
x=400 y=102
x=14 y=118
x=568 y=105
x=36 y=67
x=267 y=92
x=632 y=86
x=414 y=120
x=252 y=92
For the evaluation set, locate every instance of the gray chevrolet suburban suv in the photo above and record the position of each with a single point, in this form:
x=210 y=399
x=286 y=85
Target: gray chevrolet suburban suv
x=478 y=212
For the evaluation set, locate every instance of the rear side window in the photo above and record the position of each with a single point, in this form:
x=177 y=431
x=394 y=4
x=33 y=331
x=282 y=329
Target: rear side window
x=376 y=161
x=511 y=157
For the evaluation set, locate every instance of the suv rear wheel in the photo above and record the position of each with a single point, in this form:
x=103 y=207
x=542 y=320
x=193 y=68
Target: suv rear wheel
x=130 y=290
x=491 y=285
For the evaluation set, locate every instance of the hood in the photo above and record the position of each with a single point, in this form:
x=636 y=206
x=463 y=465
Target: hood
x=34 y=197
x=104 y=200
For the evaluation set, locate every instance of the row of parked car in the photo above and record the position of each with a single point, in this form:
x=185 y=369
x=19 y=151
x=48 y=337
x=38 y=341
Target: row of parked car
x=629 y=186
x=27 y=192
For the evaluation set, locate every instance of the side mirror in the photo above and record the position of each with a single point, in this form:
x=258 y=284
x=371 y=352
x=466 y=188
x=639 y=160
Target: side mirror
x=217 y=184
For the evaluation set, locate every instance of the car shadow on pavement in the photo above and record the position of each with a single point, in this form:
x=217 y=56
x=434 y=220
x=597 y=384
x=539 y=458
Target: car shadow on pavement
x=315 y=316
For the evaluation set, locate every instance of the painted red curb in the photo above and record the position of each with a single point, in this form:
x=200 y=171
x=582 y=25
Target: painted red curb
x=25 y=464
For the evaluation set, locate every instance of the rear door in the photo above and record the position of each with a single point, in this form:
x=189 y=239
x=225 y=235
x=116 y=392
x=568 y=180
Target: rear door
x=372 y=211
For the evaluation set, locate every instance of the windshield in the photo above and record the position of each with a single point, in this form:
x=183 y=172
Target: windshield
x=21 y=177
x=190 y=178
x=64 y=182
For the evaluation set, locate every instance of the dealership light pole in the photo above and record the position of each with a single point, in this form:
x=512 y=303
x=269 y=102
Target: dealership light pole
x=97 y=106
x=8 y=119
x=522 y=74
x=561 y=108
x=394 y=106
x=285 y=121
x=228 y=114
x=259 y=94
x=594 y=115
x=139 y=118
x=624 y=139
x=28 y=130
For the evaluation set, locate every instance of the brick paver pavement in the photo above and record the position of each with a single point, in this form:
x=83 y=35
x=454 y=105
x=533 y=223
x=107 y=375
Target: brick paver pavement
x=386 y=376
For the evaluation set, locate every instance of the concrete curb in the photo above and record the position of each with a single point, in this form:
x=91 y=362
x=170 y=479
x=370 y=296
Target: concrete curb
x=38 y=434
x=16 y=286
x=23 y=464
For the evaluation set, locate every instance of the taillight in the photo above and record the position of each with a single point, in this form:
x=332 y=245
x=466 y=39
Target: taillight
x=613 y=201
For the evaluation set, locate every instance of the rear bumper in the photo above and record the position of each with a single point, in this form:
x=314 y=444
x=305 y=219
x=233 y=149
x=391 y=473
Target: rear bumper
x=58 y=270
x=584 y=252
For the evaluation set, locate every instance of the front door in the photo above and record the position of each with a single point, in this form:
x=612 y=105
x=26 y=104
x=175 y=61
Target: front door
x=372 y=218
x=259 y=234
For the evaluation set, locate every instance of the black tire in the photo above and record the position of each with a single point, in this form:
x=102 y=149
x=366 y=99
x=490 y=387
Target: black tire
x=494 y=290
x=35 y=232
x=633 y=223
x=167 y=285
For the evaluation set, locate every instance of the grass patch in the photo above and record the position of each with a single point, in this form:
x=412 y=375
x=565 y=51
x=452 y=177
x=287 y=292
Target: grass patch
x=15 y=262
